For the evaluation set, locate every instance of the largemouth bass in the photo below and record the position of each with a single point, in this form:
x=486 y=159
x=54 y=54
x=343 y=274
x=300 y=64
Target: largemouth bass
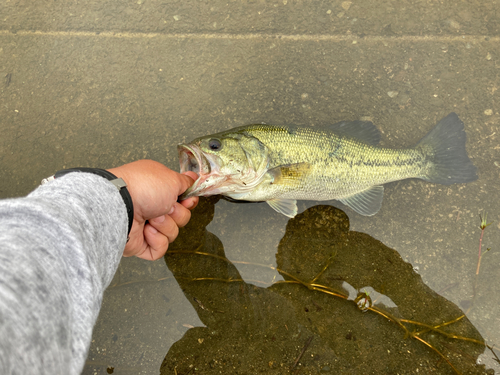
x=281 y=164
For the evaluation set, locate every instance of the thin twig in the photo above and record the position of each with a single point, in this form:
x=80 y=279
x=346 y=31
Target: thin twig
x=308 y=342
x=495 y=354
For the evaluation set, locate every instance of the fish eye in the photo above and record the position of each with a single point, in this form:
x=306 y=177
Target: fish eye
x=214 y=144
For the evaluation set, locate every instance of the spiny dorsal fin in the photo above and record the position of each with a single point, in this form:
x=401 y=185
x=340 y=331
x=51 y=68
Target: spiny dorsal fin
x=363 y=131
x=366 y=203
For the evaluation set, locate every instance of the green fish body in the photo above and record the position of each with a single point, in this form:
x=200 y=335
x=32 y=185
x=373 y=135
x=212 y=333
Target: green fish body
x=280 y=164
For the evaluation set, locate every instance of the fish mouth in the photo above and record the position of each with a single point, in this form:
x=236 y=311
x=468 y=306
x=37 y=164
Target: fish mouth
x=192 y=158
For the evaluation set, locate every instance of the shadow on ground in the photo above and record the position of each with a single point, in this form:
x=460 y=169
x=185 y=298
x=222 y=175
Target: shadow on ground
x=347 y=304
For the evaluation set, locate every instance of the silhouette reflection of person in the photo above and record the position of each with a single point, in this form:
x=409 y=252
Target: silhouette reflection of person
x=288 y=326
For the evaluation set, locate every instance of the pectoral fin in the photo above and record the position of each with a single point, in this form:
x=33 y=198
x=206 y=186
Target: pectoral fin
x=366 y=203
x=290 y=175
x=287 y=207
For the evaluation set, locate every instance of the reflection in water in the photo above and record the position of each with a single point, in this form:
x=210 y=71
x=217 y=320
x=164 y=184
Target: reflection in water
x=348 y=304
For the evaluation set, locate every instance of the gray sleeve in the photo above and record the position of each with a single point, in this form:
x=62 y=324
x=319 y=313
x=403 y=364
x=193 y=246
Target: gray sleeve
x=59 y=249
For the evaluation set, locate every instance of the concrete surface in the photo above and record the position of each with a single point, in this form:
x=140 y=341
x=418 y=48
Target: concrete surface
x=101 y=83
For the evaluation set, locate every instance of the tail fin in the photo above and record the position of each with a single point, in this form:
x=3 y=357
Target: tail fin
x=445 y=149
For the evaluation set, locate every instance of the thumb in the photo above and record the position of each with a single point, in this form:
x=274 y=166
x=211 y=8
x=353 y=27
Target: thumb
x=192 y=202
x=186 y=179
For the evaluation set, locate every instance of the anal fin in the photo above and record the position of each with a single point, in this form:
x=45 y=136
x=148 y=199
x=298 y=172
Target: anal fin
x=287 y=207
x=367 y=202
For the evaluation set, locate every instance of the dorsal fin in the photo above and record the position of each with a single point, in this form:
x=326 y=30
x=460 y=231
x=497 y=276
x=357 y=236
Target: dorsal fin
x=363 y=131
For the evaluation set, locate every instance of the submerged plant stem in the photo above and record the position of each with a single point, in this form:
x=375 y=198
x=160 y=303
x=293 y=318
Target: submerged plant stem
x=480 y=255
x=484 y=224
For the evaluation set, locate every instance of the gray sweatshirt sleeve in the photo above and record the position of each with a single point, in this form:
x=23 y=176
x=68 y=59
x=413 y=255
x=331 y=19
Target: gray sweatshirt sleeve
x=59 y=249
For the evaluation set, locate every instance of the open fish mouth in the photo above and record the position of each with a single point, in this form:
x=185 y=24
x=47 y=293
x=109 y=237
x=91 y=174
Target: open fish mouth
x=192 y=159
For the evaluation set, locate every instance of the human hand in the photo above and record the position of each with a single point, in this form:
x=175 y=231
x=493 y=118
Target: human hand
x=154 y=189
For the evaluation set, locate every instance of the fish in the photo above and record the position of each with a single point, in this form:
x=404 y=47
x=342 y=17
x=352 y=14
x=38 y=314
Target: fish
x=282 y=164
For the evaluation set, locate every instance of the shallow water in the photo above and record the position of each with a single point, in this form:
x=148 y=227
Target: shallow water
x=104 y=83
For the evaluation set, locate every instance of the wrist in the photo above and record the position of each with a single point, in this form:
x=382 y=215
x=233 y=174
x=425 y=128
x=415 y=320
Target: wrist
x=118 y=182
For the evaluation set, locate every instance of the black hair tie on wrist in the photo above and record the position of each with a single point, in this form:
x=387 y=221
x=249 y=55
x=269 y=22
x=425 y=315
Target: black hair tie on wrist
x=118 y=182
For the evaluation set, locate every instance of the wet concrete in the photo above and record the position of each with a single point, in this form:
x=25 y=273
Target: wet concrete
x=105 y=83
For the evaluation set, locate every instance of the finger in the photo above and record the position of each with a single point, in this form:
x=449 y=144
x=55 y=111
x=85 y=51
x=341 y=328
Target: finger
x=180 y=214
x=191 y=174
x=166 y=225
x=135 y=243
x=185 y=180
x=190 y=203
x=157 y=243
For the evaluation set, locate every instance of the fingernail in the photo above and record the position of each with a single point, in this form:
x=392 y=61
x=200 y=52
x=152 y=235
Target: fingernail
x=171 y=210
